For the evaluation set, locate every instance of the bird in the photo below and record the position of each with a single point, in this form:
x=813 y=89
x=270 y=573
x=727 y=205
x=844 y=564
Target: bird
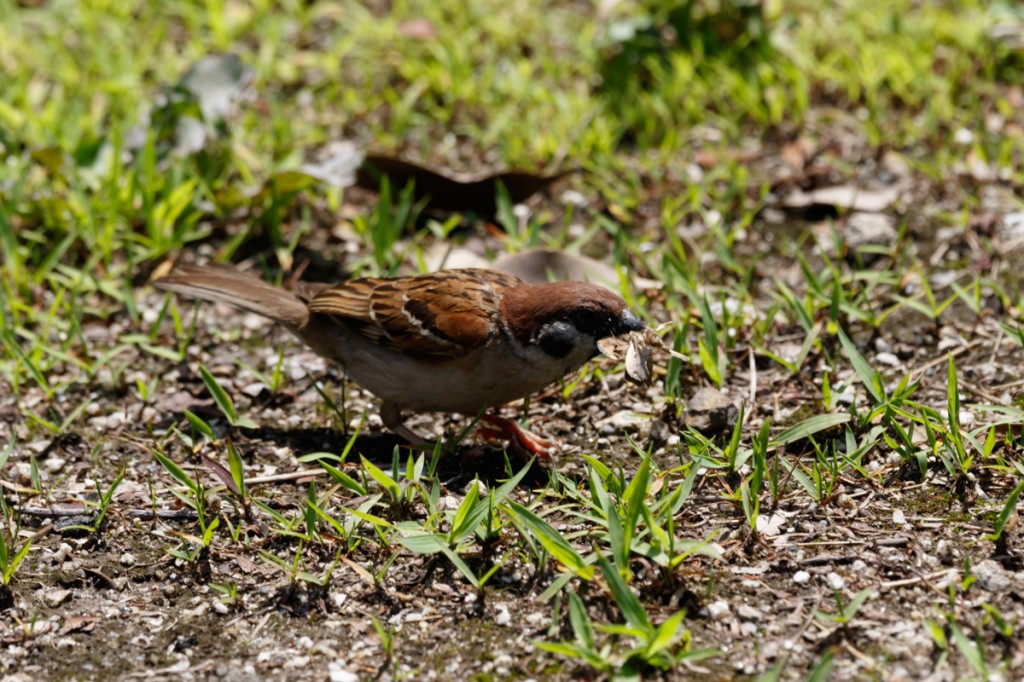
x=454 y=341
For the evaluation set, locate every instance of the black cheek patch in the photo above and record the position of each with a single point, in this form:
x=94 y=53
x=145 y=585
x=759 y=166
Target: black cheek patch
x=557 y=339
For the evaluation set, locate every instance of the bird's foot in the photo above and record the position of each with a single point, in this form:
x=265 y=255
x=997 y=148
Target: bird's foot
x=526 y=441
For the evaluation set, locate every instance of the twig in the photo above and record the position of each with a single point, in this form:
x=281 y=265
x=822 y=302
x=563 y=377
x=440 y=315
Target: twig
x=291 y=476
x=871 y=663
x=166 y=514
x=145 y=514
x=1009 y=384
x=980 y=392
x=800 y=633
x=995 y=347
x=829 y=559
x=45 y=530
x=20 y=489
x=56 y=513
x=918 y=579
x=262 y=624
x=938 y=361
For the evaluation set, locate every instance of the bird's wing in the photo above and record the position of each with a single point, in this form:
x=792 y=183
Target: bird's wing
x=441 y=315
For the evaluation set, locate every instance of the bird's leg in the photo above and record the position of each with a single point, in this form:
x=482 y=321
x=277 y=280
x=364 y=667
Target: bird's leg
x=391 y=415
x=532 y=443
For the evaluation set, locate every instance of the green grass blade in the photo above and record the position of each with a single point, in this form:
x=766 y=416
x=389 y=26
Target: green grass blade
x=631 y=608
x=552 y=541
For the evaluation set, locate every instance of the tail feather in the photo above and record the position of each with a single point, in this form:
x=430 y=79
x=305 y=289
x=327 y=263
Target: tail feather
x=224 y=284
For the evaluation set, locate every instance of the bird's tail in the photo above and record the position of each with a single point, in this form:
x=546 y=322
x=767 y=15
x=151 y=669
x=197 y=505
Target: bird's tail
x=224 y=284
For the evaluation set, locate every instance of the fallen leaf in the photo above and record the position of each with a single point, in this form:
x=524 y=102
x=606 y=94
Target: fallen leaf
x=78 y=624
x=216 y=81
x=54 y=598
x=338 y=165
x=639 y=360
x=445 y=255
x=638 y=349
x=845 y=197
x=795 y=153
x=223 y=473
x=613 y=347
x=770 y=525
x=541 y=265
x=451 y=194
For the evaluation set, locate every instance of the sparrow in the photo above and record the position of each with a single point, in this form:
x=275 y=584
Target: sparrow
x=456 y=341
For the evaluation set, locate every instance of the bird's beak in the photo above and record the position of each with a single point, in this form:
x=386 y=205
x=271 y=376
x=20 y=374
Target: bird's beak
x=627 y=322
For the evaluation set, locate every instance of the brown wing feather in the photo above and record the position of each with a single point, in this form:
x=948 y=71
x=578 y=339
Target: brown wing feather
x=433 y=315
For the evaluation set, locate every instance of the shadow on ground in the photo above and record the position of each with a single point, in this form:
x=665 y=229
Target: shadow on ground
x=457 y=465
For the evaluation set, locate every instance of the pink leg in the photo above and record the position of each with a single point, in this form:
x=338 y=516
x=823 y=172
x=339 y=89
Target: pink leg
x=499 y=427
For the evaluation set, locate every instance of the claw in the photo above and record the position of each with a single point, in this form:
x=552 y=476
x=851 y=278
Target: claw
x=531 y=443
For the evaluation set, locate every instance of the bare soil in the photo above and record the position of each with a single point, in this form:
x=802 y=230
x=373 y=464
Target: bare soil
x=113 y=603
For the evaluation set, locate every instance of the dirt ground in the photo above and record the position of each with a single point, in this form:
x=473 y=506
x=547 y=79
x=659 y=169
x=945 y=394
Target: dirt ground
x=872 y=556
x=113 y=603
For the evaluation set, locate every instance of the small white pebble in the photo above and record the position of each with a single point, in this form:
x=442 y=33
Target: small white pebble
x=801 y=577
x=718 y=610
x=502 y=616
x=62 y=554
x=535 y=618
x=898 y=517
x=22 y=472
x=835 y=581
x=748 y=612
x=886 y=358
x=571 y=196
x=963 y=136
x=54 y=464
x=338 y=674
x=220 y=607
x=297 y=662
x=478 y=486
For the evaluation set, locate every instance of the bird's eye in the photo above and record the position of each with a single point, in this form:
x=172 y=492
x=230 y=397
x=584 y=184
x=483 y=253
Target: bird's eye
x=586 y=319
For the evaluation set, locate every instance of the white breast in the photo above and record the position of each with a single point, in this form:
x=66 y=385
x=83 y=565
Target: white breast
x=495 y=374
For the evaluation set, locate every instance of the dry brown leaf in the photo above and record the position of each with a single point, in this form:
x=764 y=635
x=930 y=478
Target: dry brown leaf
x=541 y=265
x=638 y=350
x=78 y=624
x=451 y=194
x=795 y=153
